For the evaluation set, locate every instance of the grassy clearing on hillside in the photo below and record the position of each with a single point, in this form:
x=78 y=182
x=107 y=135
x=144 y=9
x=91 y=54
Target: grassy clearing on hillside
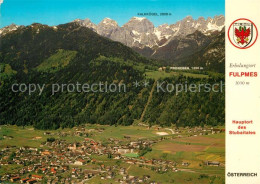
x=5 y=72
x=162 y=74
x=59 y=60
x=136 y=65
x=6 y=69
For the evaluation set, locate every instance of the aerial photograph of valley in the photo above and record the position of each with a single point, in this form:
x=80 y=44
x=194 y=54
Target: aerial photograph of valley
x=103 y=92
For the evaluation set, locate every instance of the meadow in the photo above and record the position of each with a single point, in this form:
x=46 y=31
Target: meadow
x=194 y=150
x=162 y=74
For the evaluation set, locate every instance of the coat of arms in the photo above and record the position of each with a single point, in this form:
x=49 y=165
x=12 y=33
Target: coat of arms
x=244 y=33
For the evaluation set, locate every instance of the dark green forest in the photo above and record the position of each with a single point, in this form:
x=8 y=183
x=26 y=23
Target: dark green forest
x=71 y=54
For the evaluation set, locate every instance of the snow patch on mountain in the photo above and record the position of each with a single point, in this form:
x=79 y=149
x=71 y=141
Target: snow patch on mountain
x=139 y=18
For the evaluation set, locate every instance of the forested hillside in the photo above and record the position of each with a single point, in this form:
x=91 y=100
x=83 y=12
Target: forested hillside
x=70 y=54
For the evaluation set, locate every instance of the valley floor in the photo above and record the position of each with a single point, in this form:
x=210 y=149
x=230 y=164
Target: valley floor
x=109 y=154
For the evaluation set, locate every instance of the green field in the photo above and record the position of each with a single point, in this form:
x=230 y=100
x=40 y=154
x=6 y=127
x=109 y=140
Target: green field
x=162 y=74
x=118 y=132
x=132 y=155
x=194 y=150
x=57 y=61
x=177 y=177
x=27 y=136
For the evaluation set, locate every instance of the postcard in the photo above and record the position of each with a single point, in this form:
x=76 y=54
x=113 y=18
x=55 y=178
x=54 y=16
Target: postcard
x=130 y=92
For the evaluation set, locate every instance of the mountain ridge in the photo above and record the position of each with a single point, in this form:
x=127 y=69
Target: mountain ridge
x=140 y=31
x=172 y=44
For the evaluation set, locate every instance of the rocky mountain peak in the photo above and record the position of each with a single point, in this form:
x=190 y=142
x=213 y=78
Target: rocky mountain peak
x=219 y=20
x=106 y=27
x=8 y=29
x=139 y=24
x=201 y=20
x=140 y=32
x=86 y=23
x=108 y=22
x=188 y=18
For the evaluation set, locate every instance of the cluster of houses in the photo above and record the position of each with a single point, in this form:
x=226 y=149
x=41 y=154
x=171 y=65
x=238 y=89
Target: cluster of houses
x=62 y=158
x=28 y=180
x=198 y=131
x=57 y=161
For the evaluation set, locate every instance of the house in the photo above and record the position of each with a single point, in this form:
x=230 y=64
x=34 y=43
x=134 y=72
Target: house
x=13 y=179
x=161 y=69
x=149 y=161
x=131 y=161
x=80 y=162
x=146 y=177
x=93 y=160
x=46 y=153
x=53 y=170
x=73 y=147
x=31 y=181
x=37 y=177
x=124 y=151
x=122 y=171
x=185 y=163
x=117 y=156
x=23 y=180
x=175 y=169
x=44 y=170
x=134 y=144
x=212 y=163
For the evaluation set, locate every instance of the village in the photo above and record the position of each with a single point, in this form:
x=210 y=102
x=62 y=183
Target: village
x=57 y=161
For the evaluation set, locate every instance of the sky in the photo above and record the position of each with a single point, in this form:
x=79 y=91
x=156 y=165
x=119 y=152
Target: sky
x=54 y=12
